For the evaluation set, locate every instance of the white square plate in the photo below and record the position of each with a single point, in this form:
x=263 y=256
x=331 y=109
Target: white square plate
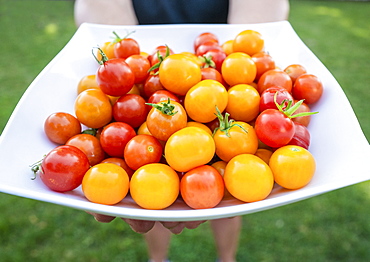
x=337 y=142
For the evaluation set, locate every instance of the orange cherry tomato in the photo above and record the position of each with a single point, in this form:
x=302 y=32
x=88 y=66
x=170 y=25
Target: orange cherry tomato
x=264 y=154
x=61 y=126
x=249 y=42
x=87 y=82
x=165 y=118
x=178 y=73
x=220 y=167
x=238 y=68
x=93 y=108
x=294 y=71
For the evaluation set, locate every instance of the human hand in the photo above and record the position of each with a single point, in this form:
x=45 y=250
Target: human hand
x=143 y=226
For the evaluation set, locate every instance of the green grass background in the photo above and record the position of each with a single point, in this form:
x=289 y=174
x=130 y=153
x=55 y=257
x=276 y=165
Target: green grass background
x=330 y=227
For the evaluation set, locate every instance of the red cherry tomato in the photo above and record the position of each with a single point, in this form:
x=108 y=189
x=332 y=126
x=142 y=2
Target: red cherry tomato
x=126 y=47
x=308 y=87
x=131 y=109
x=301 y=136
x=267 y=97
x=140 y=66
x=63 y=168
x=142 y=150
x=205 y=37
x=114 y=138
x=274 y=77
x=202 y=187
x=59 y=127
x=115 y=77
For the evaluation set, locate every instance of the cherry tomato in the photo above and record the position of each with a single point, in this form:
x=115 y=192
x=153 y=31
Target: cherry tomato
x=131 y=109
x=301 y=136
x=87 y=82
x=202 y=99
x=294 y=71
x=213 y=74
x=220 y=166
x=106 y=184
x=120 y=162
x=160 y=96
x=142 y=150
x=165 y=118
x=151 y=85
x=243 y=102
x=304 y=120
x=274 y=77
x=90 y=145
x=188 y=148
x=227 y=46
x=249 y=42
x=217 y=56
x=202 y=187
x=63 y=168
x=234 y=138
x=114 y=76
x=114 y=138
x=126 y=47
x=274 y=128
x=93 y=108
x=178 y=73
x=267 y=98
x=155 y=186
x=206 y=47
x=308 y=87
x=200 y=125
x=108 y=49
x=159 y=53
x=248 y=178
x=264 y=62
x=293 y=166
x=140 y=66
x=238 y=68
x=61 y=126
x=264 y=154
x=205 y=37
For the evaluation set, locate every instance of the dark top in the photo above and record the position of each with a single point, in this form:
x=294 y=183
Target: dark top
x=181 y=11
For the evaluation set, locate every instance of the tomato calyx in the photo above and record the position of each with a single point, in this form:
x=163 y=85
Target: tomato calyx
x=225 y=123
x=90 y=131
x=104 y=57
x=118 y=38
x=165 y=108
x=287 y=108
x=207 y=61
x=35 y=168
x=160 y=59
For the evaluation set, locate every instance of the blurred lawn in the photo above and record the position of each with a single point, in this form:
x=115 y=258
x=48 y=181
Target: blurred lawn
x=330 y=227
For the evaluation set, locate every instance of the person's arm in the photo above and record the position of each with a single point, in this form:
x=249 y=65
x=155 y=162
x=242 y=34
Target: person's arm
x=257 y=11
x=112 y=12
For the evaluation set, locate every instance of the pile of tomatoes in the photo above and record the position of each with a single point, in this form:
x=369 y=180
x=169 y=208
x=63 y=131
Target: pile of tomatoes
x=222 y=121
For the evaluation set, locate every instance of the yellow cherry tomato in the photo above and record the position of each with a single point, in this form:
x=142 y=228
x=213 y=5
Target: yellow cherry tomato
x=188 y=148
x=248 y=178
x=200 y=125
x=244 y=103
x=228 y=47
x=178 y=73
x=105 y=183
x=203 y=98
x=155 y=186
x=293 y=166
